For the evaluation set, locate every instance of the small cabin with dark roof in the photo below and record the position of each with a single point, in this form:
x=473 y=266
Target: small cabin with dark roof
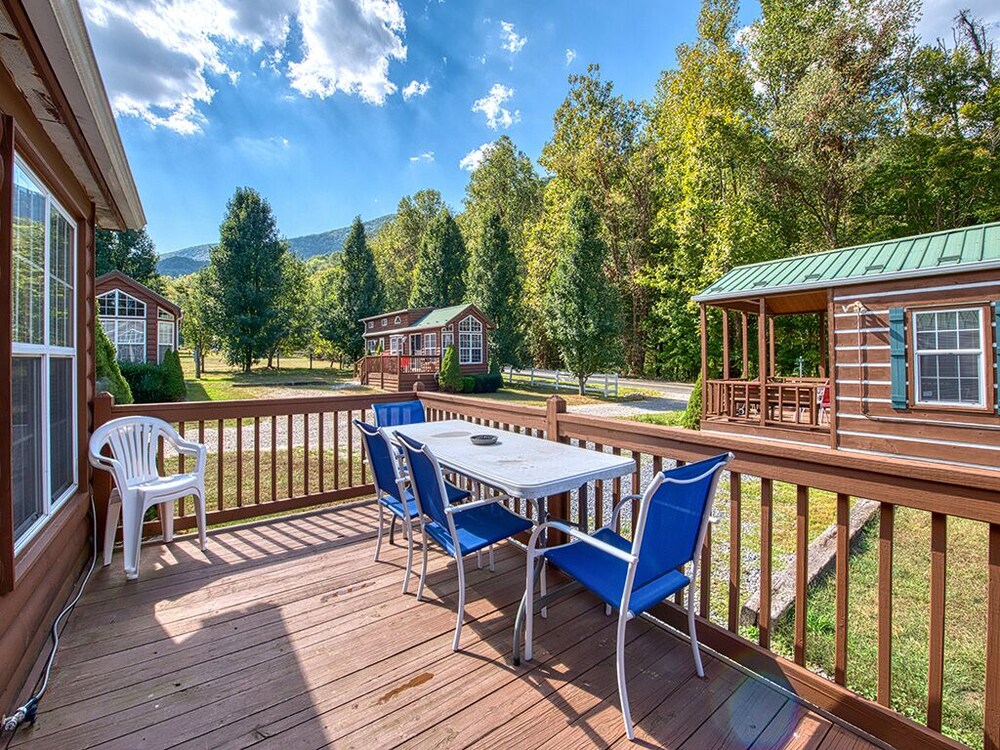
x=142 y=324
x=405 y=347
x=904 y=348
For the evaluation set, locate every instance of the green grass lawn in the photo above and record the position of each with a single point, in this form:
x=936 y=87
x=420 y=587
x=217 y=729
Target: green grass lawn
x=220 y=382
x=665 y=418
x=538 y=395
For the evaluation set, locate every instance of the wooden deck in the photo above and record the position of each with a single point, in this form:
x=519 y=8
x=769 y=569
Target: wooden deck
x=287 y=635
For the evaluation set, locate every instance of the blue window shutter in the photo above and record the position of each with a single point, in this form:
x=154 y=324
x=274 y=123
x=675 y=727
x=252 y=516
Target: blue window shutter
x=897 y=357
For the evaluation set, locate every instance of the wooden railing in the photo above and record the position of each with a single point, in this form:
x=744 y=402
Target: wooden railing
x=811 y=476
x=786 y=402
x=766 y=505
x=394 y=364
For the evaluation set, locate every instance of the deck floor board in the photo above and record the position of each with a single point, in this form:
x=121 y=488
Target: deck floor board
x=287 y=634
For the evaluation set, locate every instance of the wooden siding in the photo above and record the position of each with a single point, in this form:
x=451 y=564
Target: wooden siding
x=866 y=419
x=288 y=634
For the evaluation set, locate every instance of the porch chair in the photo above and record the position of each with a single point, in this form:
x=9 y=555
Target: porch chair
x=631 y=577
x=459 y=529
x=398 y=413
x=134 y=443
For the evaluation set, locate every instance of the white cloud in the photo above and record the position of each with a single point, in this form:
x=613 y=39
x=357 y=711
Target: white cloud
x=511 y=41
x=938 y=18
x=491 y=105
x=259 y=150
x=425 y=157
x=570 y=55
x=158 y=56
x=471 y=161
x=415 y=88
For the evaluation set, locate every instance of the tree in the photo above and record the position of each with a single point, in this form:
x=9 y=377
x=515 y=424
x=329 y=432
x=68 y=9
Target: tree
x=296 y=310
x=439 y=278
x=397 y=243
x=247 y=278
x=194 y=296
x=132 y=252
x=583 y=305
x=355 y=293
x=493 y=283
x=450 y=377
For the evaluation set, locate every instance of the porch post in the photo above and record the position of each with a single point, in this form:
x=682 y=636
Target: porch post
x=558 y=505
x=822 y=344
x=725 y=344
x=745 y=374
x=770 y=347
x=762 y=323
x=704 y=357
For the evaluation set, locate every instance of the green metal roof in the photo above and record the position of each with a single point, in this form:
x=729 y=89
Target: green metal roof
x=439 y=317
x=923 y=255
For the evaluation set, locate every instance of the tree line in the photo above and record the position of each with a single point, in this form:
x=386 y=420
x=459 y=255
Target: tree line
x=820 y=125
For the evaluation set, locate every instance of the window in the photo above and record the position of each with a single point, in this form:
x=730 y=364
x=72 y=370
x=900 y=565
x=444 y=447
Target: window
x=396 y=320
x=43 y=369
x=948 y=357
x=371 y=324
x=416 y=343
x=384 y=321
x=470 y=341
x=447 y=339
x=395 y=344
x=165 y=327
x=370 y=345
x=123 y=318
x=430 y=343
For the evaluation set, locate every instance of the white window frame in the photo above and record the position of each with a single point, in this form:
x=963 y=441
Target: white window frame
x=396 y=321
x=165 y=318
x=370 y=346
x=47 y=353
x=447 y=339
x=396 y=344
x=430 y=343
x=416 y=349
x=113 y=323
x=981 y=352
x=473 y=333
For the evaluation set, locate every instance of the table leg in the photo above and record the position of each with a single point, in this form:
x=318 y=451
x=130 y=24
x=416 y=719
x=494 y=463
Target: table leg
x=542 y=512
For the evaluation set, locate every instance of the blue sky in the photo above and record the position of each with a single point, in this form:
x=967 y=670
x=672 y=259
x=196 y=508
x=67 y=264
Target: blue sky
x=332 y=108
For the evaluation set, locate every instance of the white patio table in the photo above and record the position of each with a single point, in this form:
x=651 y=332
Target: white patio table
x=521 y=466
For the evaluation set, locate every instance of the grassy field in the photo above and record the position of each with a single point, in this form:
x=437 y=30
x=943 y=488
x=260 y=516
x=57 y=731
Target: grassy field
x=220 y=382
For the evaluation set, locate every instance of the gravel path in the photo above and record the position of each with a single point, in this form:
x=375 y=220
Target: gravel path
x=631 y=408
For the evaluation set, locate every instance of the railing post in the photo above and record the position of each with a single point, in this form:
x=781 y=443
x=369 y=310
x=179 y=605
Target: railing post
x=616 y=385
x=101 y=485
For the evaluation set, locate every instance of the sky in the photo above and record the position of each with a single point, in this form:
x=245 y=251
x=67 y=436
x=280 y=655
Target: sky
x=337 y=108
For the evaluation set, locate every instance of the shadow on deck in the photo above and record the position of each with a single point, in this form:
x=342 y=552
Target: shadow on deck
x=287 y=634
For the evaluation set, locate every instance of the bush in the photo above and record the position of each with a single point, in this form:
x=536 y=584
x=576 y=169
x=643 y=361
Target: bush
x=468 y=384
x=691 y=418
x=152 y=383
x=109 y=375
x=488 y=383
x=450 y=378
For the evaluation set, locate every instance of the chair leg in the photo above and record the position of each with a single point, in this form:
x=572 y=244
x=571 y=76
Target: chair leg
x=111 y=526
x=461 y=600
x=199 y=509
x=381 y=523
x=492 y=568
x=543 y=587
x=479 y=559
x=392 y=528
x=167 y=521
x=620 y=661
x=132 y=535
x=529 y=607
x=694 y=633
x=408 y=528
x=423 y=568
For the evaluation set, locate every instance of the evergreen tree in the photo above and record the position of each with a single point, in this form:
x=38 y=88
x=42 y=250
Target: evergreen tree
x=582 y=303
x=247 y=276
x=357 y=293
x=439 y=278
x=397 y=243
x=493 y=283
x=132 y=252
x=193 y=293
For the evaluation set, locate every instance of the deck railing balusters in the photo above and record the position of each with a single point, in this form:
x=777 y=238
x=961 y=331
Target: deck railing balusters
x=735 y=547
x=843 y=588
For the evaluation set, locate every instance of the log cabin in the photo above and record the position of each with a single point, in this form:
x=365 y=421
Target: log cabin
x=63 y=173
x=404 y=347
x=906 y=345
x=141 y=323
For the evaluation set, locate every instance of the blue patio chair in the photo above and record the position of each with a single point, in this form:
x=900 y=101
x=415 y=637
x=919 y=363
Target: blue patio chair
x=633 y=576
x=399 y=412
x=391 y=491
x=459 y=529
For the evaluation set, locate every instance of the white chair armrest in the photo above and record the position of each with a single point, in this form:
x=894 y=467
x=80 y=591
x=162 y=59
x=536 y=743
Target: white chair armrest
x=452 y=509
x=618 y=508
x=575 y=533
x=189 y=448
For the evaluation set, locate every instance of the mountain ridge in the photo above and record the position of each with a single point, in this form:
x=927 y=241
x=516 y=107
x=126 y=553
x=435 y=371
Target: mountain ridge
x=194 y=258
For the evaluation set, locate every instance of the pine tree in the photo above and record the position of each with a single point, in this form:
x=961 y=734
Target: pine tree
x=439 y=278
x=493 y=283
x=247 y=269
x=583 y=307
x=357 y=294
x=132 y=252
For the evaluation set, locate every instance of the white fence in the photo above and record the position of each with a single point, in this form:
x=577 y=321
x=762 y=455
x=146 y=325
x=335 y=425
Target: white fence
x=599 y=382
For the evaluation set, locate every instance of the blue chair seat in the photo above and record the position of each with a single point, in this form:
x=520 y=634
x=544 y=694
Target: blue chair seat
x=478 y=528
x=605 y=575
x=455 y=495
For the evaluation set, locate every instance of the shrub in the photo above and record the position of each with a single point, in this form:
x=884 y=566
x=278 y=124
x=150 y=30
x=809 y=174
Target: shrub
x=152 y=383
x=488 y=383
x=691 y=418
x=109 y=375
x=468 y=384
x=450 y=378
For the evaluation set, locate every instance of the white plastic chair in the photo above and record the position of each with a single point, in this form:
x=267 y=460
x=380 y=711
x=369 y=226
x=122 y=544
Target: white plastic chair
x=134 y=444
